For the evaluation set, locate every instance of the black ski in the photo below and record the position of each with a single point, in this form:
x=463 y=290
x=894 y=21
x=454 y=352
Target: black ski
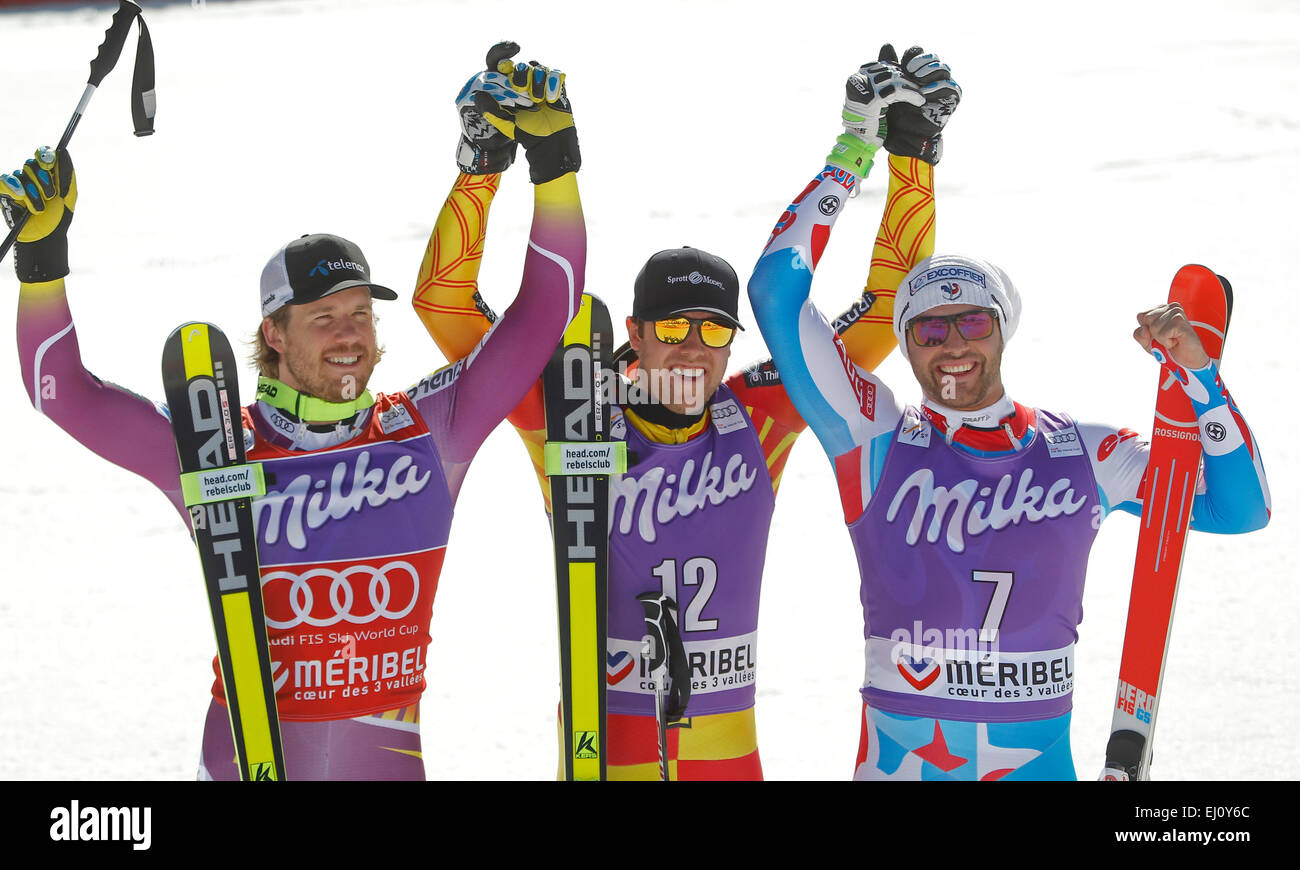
x=579 y=459
x=202 y=386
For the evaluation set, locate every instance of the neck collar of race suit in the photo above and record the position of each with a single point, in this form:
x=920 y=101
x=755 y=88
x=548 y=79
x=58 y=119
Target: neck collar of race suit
x=999 y=427
x=678 y=428
x=661 y=415
x=308 y=408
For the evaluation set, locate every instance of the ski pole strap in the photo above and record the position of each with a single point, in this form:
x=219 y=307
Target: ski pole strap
x=210 y=485
x=585 y=457
x=143 y=104
x=667 y=654
x=143 y=100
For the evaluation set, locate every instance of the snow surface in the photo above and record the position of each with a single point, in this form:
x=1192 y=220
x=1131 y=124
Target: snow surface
x=1096 y=150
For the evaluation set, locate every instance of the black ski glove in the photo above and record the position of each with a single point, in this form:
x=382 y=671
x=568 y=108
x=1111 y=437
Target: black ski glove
x=915 y=131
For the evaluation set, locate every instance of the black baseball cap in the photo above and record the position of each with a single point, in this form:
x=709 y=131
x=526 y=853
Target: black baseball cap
x=686 y=279
x=312 y=267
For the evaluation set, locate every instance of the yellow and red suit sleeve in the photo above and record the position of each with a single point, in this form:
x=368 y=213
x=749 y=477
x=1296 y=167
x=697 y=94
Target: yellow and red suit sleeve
x=446 y=295
x=905 y=237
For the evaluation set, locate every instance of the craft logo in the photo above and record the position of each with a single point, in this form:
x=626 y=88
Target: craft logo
x=1215 y=431
x=950 y=291
x=129 y=824
x=828 y=205
x=324 y=267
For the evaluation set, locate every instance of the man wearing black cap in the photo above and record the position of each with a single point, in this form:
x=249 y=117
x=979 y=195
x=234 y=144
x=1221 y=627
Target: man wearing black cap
x=706 y=452
x=360 y=488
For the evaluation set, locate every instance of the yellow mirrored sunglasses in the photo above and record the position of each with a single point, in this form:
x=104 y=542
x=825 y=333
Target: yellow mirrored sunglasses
x=675 y=330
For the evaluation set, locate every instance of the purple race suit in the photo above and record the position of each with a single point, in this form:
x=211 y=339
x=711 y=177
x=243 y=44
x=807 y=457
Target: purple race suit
x=350 y=541
x=691 y=519
x=972 y=574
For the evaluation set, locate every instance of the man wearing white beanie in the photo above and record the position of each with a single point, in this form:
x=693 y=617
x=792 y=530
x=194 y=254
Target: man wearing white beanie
x=972 y=515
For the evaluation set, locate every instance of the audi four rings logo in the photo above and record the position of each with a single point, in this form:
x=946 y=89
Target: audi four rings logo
x=1216 y=431
x=1061 y=438
x=304 y=588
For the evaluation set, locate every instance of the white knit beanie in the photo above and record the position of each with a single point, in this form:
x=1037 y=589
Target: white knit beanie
x=952 y=279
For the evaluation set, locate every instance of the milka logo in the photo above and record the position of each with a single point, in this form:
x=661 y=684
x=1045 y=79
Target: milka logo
x=288 y=508
x=681 y=497
x=324 y=267
x=976 y=515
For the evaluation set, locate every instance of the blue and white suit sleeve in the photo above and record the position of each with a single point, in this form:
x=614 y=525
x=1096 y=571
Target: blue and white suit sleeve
x=1232 y=491
x=845 y=406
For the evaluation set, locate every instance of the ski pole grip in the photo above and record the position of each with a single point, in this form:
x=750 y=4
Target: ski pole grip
x=114 y=38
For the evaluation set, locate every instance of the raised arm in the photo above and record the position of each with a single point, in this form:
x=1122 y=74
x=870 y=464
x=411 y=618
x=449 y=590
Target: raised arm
x=119 y=425
x=914 y=140
x=1232 y=491
x=446 y=296
x=844 y=405
x=495 y=374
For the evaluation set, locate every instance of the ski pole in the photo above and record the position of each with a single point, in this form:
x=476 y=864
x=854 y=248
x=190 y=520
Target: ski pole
x=665 y=657
x=142 y=92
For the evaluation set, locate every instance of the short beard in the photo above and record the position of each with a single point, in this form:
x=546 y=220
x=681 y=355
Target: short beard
x=345 y=389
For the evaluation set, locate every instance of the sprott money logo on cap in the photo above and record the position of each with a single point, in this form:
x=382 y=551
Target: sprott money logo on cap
x=694 y=278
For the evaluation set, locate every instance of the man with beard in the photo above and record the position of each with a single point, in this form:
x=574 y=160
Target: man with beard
x=950 y=535
x=361 y=488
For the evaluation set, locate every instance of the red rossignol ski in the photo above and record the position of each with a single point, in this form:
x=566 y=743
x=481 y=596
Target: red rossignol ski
x=1170 y=486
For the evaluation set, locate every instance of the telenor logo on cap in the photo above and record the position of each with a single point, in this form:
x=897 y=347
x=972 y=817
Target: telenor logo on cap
x=324 y=267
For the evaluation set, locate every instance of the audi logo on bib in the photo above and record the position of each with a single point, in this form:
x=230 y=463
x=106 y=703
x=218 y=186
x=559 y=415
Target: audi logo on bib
x=350 y=635
x=359 y=594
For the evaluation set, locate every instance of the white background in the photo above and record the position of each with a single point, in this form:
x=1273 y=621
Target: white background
x=1095 y=151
